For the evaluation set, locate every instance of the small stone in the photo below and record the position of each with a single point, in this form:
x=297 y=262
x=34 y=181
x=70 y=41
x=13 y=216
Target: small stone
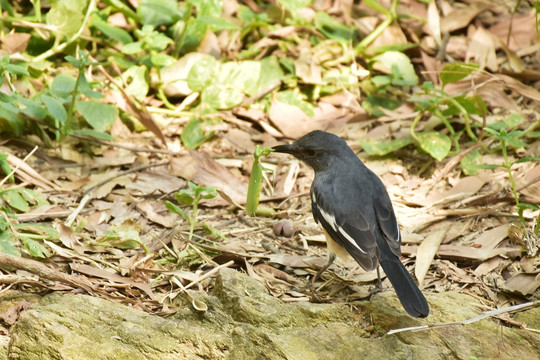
x=284 y=228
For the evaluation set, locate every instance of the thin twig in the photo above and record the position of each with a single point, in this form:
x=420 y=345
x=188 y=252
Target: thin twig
x=483 y=315
x=18 y=165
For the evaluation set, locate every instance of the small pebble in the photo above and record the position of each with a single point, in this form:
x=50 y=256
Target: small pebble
x=284 y=228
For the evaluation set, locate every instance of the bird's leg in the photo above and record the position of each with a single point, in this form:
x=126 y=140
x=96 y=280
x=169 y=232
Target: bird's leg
x=329 y=261
x=379 y=287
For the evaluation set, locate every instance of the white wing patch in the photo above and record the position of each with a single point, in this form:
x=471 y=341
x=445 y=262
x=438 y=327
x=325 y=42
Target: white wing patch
x=331 y=220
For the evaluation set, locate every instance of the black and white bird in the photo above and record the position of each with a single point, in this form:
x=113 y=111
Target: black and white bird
x=351 y=204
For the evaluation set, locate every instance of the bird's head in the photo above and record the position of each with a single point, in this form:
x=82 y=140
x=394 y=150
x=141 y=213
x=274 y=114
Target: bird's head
x=318 y=149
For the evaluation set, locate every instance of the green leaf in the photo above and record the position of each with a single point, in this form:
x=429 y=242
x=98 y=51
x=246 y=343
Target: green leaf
x=132 y=48
x=84 y=88
x=221 y=97
x=32 y=108
x=271 y=75
x=435 y=144
x=66 y=16
x=111 y=31
x=469 y=163
x=334 y=29
x=373 y=103
x=137 y=82
x=7 y=244
x=383 y=147
x=15 y=200
x=100 y=116
x=241 y=76
x=293 y=97
x=35 y=248
x=193 y=134
x=201 y=73
x=95 y=134
x=184 y=197
x=401 y=67
x=218 y=23
x=63 y=85
x=455 y=72
x=162 y=60
x=177 y=210
x=158 y=12
x=293 y=5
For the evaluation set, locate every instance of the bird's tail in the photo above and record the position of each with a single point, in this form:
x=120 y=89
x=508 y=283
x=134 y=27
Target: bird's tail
x=409 y=294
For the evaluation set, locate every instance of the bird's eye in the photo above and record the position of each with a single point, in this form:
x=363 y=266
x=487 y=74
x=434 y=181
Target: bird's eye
x=310 y=152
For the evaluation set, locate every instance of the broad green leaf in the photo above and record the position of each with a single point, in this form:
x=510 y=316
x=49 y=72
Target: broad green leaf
x=401 y=67
x=194 y=135
x=35 y=248
x=334 y=29
x=7 y=244
x=242 y=76
x=158 y=12
x=208 y=7
x=293 y=5
x=201 y=73
x=44 y=230
x=32 y=107
x=195 y=32
x=123 y=237
x=66 y=16
x=383 y=147
x=100 y=116
x=55 y=108
x=184 y=197
x=9 y=120
x=84 y=88
x=63 y=85
x=162 y=60
x=111 y=31
x=373 y=103
x=137 y=82
x=469 y=163
x=221 y=97
x=292 y=97
x=218 y=23
x=455 y=72
x=271 y=75
x=132 y=47
x=435 y=144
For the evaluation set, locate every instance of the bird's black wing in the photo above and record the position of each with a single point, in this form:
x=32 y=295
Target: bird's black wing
x=387 y=221
x=350 y=229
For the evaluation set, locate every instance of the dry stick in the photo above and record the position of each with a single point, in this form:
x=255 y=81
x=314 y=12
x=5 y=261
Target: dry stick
x=483 y=315
x=208 y=274
x=128 y=147
x=42 y=270
x=18 y=165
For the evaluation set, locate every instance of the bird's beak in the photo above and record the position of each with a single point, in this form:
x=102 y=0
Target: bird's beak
x=288 y=149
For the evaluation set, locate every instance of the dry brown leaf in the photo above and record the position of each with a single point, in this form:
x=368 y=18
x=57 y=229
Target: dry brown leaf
x=149 y=182
x=465 y=187
x=525 y=284
x=490 y=239
x=522 y=29
x=461 y=17
x=291 y=120
x=15 y=42
x=481 y=49
x=489 y=265
x=200 y=168
x=113 y=278
x=26 y=173
x=467 y=252
x=426 y=252
x=153 y=211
